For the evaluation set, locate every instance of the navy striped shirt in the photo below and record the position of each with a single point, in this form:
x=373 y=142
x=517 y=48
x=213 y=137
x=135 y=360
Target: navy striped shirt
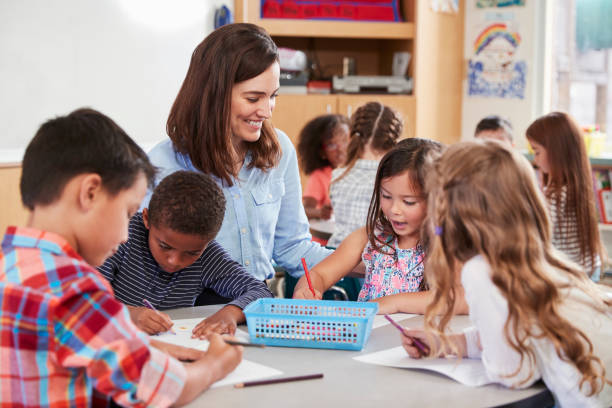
x=135 y=275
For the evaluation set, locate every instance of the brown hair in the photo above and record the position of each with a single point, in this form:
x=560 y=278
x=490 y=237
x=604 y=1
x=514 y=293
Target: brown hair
x=199 y=121
x=484 y=200
x=409 y=155
x=311 y=139
x=374 y=124
x=570 y=168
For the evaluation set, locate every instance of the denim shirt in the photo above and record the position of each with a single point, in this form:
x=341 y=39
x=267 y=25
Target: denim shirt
x=264 y=220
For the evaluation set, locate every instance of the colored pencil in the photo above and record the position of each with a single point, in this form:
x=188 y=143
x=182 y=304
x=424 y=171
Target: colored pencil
x=150 y=306
x=279 y=380
x=418 y=343
x=243 y=343
x=308 y=277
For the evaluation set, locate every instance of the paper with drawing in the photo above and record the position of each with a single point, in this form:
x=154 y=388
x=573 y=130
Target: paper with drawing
x=470 y=372
x=246 y=370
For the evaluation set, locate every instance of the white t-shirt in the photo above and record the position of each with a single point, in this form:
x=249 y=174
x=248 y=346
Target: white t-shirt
x=489 y=312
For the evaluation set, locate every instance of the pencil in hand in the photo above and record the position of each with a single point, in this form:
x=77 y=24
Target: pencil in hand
x=279 y=380
x=242 y=343
x=308 y=278
x=418 y=343
x=150 y=306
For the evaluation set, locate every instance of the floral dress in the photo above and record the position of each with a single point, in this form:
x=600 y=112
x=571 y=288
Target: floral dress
x=399 y=271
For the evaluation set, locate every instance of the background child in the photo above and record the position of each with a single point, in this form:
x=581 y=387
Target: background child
x=375 y=129
x=496 y=128
x=321 y=148
x=170 y=258
x=560 y=155
x=535 y=315
x=63 y=334
x=390 y=244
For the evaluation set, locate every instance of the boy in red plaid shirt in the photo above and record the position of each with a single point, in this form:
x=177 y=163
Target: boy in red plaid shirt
x=62 y=333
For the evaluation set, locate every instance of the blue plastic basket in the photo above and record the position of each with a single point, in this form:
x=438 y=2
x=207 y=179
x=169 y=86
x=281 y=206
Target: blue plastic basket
x=310 y=323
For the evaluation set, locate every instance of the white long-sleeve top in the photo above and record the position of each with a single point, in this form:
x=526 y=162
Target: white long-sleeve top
x=489 y=312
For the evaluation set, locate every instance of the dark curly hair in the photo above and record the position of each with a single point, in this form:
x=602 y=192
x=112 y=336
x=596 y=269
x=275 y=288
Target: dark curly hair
x=188 y=202
x=311 y=140
x=375 y=124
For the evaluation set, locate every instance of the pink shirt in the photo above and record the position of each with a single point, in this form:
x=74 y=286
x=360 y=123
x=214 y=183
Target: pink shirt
x=317 y=186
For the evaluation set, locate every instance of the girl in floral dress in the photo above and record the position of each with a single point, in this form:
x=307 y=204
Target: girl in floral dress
x=390 y=244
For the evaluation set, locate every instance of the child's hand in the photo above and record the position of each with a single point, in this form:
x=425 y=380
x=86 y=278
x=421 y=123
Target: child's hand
x=386 y=305
x=305 y=293
x=223 y=357
x=150 y=321
x=222 y=322
x=178 y=352
x=408 y=337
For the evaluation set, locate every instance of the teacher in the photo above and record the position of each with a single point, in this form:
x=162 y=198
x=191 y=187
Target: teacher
x=220 y=124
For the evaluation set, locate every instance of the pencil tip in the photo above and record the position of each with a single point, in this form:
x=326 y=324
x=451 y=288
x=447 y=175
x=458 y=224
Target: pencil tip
x=239 y=385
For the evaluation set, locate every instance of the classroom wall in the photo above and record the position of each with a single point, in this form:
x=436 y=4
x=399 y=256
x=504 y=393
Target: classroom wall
x=126 y=58
x=533 y=23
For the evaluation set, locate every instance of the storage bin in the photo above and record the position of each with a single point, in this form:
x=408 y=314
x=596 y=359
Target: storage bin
x=310 y=323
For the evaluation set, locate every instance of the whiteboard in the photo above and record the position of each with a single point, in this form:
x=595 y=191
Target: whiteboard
x=125 y=58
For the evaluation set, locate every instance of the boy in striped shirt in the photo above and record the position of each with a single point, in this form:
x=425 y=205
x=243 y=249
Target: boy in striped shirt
x=63 y=335
x=171 y=257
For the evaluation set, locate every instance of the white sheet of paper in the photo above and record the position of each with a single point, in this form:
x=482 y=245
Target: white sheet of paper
x=246 y=370
x=470 y=372
x=379 y=320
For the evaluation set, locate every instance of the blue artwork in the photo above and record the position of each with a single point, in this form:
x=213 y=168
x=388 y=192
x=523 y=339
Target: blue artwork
x=512 y=87
x=493 y=70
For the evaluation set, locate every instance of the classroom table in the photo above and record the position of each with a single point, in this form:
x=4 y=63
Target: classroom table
x=353 y=384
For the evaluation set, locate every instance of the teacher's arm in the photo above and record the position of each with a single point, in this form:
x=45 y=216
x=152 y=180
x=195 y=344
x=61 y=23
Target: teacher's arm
x=292 y=239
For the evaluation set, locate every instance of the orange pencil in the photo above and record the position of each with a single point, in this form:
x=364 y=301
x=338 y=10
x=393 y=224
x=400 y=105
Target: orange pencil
x=308 y=277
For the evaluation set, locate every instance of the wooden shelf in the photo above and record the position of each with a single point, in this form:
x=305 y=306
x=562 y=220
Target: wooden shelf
x=249 y=11
x=337 y=29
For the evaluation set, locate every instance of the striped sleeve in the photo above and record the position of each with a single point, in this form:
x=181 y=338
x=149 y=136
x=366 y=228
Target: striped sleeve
x=229 y=279
x=110 y=267
x=93 y=331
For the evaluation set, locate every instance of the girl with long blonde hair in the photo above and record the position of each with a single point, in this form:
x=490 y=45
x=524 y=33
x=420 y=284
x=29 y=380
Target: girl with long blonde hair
x=535 y=314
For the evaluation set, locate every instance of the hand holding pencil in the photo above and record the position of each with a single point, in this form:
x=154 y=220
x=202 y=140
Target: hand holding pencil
x=304 y=288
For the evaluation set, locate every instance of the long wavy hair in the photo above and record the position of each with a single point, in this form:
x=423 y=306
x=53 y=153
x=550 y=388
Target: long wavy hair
x=199 y=121
x=372 y=124
x=484 y=200
x=570 y=169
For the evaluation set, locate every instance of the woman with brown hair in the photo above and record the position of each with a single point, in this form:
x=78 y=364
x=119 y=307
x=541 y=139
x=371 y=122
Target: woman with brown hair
x=560 y=154
x=220 y=125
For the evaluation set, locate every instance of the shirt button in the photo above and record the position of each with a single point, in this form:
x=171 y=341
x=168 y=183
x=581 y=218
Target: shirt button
x=247 y=262
x=236 y=196
x=243 y=230
x=269 y=195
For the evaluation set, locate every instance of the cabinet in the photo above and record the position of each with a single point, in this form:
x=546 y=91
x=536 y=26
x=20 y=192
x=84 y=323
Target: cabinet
x=434 y=40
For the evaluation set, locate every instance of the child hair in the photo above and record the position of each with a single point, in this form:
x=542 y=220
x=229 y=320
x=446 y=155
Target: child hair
x=199 y=120
x=372 y=124
x=188 y=202
x=570 y=169
x=311 y=140
x=483 y=199
x=84 y=141
x=494 y=123
x=409 y=155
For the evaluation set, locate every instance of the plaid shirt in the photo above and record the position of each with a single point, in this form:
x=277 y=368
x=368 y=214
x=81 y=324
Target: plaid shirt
x=63 y=334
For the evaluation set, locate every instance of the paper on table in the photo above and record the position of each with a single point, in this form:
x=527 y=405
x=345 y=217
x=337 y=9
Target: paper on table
x=379 y=320
x=183 y=329
x=246 y=370
x=470 y=372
